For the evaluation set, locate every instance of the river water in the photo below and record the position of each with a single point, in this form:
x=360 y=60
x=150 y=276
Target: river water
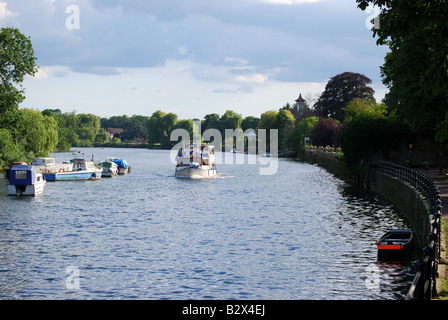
x=297 y=234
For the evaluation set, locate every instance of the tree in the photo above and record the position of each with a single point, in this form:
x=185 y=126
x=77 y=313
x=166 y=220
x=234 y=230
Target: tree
x=268 y=120
x=358 y=106
x=369 y=133
x=416 y=68
x=325 y=132
x=16 y=61
x=159 y=127
x=230 y=120
x=211 y=121
x=296 y=138
x=68 y=124
x=36 y=134
x=339 y=91
x=250 y=122
x=285 y=124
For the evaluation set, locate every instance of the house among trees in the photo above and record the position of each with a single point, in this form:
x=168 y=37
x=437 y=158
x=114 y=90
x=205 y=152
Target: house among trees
x=114 y=132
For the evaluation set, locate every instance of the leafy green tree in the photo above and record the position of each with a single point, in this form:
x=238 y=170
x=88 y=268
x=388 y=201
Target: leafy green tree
x=186 y=124
x=211 y=121
x=250 y=122
x=296 y=138
x=358 y=106
x=8 y=149
x=230 y=120
x=268 y=120
x=16 y=61
x=37 y=134
x=339 y=91
x=68 y=124
x=416 y=68
x=159 y=127
x=285 y=124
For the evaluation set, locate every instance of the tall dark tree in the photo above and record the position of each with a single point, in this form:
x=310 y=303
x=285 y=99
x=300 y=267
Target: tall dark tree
x=339 y=91
x=416 y=68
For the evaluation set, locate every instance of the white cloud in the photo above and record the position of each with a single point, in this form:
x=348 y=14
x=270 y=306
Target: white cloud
x=256 y=78
x=4 y=12
x=290 y=2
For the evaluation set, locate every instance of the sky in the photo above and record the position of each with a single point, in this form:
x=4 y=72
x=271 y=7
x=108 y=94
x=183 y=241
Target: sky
x=190 y=57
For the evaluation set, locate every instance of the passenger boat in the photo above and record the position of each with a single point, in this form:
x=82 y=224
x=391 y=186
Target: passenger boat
x=82 y=170
x=49 y=165
x=110 y=169
x=25 y=181
x=395 y=241
x=196 y=161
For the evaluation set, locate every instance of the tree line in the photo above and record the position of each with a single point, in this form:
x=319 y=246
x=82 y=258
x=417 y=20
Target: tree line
x=345 y=115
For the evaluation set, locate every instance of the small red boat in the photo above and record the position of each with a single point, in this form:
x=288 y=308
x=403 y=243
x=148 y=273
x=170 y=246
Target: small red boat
x=395 y=240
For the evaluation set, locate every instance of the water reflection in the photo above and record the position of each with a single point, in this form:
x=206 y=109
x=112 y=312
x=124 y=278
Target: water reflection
x=299 y=234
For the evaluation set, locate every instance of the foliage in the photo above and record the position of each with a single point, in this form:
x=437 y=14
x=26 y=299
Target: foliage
x=250 y=122
x=268 y=120
x=339 y=91
x=369 y=133
x=326 y=132
x=230 y=120
x=358 y=106
x=296 y=139
x=285 y=124
x=159 y=127
x=416 y=69
x=37 y=134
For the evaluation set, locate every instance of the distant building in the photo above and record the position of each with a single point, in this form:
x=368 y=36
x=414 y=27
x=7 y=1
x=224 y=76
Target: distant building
x=300 y=104
x=114 y=132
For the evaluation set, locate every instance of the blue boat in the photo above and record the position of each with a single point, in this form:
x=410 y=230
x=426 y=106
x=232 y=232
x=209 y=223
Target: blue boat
x=82 y=170
x=123 y=166
x=25 y=181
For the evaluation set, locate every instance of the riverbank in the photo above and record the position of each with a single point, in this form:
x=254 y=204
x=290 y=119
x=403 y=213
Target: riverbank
x=441 y=181
x=399 y=194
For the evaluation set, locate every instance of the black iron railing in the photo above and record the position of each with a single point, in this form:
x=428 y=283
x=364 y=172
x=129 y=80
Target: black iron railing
x=424 y=284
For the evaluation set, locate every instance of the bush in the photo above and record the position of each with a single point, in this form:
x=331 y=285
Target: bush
x=368 y=133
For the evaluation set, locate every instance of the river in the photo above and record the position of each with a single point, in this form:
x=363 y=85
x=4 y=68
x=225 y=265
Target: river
x=300 y=233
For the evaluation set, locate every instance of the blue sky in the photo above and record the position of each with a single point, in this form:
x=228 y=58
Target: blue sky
x=190 y=57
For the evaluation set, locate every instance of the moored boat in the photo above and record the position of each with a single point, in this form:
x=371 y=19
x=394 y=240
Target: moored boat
x=395 y=241
x=82 y=170
x=49 y=165
x=25 y=181
x=196 y=161
x=123 y=166
x=110 y=168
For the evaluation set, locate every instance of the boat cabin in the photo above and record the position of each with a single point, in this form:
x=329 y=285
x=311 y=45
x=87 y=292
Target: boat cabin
x=194 y=153
x=44 y=162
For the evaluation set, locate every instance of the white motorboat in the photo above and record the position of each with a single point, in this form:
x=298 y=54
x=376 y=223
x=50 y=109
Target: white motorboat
x=196 y=161
x=25 y=181
x=49 y=165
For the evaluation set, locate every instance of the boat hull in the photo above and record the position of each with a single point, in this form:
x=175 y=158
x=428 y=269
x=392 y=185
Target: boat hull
x=73 y=176
x=395 y=243
x=26 y=190
x=201 y=172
